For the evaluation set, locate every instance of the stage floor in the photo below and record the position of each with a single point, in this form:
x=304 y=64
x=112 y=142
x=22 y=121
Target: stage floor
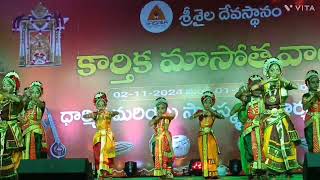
x=294 y=177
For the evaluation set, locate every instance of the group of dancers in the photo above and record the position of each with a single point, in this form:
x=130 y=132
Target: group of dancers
x=21 y=133
x=162 y=152
x=267 y=143
x=268 y=140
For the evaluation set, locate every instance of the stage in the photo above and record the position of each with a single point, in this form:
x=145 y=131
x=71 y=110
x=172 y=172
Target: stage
x=294 y=177
x=81 y=169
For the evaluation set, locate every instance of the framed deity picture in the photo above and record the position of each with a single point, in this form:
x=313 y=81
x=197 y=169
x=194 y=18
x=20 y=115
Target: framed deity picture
x=40 y=37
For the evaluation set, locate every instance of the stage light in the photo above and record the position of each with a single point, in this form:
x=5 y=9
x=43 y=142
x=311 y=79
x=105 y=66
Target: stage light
x=195 y=167
x=235 y=167
x=130 y=168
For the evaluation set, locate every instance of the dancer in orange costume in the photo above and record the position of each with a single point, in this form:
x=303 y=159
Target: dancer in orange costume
x=33 y=132
x=163 y=151
x=207 y=142
x=103 y=141
x=311 y=102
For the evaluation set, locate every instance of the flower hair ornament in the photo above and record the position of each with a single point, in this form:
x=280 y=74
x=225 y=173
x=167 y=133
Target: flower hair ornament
x=38 y=85
x=100 y=96
x=311 y=73
x=254 y=78
x=268 y=63
x=161 y=100
x=208 y=94
x=14 y=79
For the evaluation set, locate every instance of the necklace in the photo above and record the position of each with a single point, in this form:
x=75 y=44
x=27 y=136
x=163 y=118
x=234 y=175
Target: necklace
x=272 y=93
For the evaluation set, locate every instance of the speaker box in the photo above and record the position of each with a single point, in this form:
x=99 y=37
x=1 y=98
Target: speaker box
x=55 y=169
x=235 y=167
x=311 y=166
x=130 y=168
